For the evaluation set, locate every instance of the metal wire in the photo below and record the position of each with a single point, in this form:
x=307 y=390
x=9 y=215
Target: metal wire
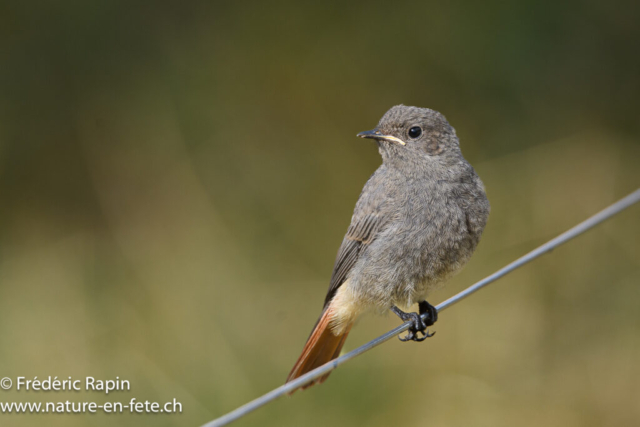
x=607 y=213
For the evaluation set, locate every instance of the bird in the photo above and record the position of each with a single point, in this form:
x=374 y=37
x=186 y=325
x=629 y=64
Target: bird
x=417 y=222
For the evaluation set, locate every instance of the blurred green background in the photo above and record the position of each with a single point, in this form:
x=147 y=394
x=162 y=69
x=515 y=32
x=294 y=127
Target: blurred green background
x=176 y=178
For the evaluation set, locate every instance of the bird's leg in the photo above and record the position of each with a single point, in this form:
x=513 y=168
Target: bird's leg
x=418 y=324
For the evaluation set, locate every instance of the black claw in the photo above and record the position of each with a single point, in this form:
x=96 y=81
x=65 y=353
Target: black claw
x=406 y=338
x=417 y=323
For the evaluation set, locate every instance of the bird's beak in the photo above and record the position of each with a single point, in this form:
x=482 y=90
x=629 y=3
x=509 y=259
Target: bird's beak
x=376 y=134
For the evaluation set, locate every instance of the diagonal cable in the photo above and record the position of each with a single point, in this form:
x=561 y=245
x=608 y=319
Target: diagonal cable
x=607 y=213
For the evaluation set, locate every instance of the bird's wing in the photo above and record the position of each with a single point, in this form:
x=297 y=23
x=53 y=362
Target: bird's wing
x=366 y=224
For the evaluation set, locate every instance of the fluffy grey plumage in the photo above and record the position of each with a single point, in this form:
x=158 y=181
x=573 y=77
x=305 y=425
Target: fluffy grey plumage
x=417 y=221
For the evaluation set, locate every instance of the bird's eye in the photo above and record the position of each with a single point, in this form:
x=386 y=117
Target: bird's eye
x=415 y=132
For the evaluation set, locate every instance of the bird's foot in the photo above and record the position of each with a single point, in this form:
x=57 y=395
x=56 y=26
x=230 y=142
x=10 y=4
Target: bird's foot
x=432 y=313
x=418 y=324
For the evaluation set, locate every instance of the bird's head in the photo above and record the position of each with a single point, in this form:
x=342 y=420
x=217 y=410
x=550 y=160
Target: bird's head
x=414 y=133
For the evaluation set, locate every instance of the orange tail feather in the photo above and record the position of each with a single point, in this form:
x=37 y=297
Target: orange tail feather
x=321 y=347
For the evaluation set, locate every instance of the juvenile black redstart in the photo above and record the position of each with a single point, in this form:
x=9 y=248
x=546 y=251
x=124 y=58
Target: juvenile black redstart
x=417 y=222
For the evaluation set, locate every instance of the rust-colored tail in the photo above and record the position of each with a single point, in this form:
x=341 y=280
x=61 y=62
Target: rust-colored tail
x=321 y=347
